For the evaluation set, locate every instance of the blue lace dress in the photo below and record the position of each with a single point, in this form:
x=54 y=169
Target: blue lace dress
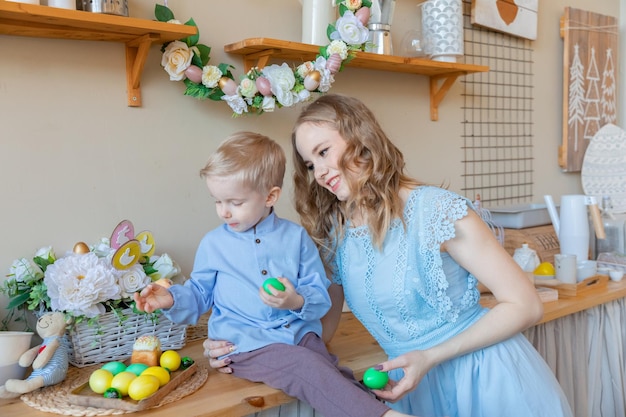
x=411 y=296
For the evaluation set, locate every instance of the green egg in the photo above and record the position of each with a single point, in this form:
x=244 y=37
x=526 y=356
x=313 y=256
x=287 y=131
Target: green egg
x=114 y=367
x=273 y=282
x=375 y=379
x=137 y=368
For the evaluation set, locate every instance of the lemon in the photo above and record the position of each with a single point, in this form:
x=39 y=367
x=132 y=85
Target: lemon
x=160 y=372
x=170 y=359
x=544 y=268
x=143 y=386
x=122 y=380
x=100 y=380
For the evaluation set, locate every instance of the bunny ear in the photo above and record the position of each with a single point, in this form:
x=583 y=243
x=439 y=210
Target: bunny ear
x=126 y=255
x=122 y=233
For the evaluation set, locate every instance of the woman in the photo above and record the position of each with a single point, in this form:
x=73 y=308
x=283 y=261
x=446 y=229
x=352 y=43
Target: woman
x=407 y=257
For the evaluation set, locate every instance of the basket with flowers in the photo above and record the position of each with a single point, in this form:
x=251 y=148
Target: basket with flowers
x=94 y=286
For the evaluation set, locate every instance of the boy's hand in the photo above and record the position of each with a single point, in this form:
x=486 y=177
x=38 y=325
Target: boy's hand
x=153 y=297
x=288 y=299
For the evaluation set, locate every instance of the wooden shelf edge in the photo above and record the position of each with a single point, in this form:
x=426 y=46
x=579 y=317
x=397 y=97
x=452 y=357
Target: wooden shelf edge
x=257 y=52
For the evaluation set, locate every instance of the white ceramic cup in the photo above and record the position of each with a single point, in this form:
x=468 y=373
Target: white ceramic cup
x=565 y=265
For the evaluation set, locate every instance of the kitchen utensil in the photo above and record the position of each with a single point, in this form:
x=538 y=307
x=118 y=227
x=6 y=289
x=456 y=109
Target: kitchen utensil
x=572 y=226
x=566 y=268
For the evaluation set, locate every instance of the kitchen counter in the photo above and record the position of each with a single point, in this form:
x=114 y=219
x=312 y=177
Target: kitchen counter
x=225 y=395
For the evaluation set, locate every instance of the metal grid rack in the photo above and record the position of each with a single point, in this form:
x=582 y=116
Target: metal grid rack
x=498 y=109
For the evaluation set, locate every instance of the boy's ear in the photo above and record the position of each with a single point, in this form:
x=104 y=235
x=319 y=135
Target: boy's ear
x=272 y=196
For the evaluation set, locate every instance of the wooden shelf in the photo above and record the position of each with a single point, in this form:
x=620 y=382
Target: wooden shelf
x=258 y=51
x=21 y=19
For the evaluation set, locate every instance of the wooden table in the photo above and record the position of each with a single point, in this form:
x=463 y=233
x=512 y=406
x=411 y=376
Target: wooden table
x=225 y=395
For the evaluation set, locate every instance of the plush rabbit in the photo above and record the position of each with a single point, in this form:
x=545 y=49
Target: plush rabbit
x=49 y=360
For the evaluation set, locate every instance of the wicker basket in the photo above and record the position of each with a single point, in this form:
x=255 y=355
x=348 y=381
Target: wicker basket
x=112 y=341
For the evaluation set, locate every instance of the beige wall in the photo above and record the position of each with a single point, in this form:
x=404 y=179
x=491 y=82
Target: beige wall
x=75 y=160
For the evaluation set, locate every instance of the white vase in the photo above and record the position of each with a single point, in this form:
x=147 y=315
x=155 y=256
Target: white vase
x=316 y=16
x=442 y=22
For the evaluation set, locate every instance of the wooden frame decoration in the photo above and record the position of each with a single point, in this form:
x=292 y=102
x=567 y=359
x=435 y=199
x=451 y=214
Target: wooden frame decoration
x=514 y=17
x=589 y=81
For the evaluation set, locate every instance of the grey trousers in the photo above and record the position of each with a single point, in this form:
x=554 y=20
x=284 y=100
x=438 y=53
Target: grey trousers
x=311 y=374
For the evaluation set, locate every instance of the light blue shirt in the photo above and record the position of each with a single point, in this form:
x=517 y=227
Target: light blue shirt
x=229 y=269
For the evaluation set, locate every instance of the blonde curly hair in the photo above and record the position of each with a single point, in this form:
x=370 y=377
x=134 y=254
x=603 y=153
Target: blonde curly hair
x=377 y=175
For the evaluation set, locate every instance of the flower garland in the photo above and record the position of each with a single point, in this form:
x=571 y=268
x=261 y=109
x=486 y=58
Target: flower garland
x=274 y=86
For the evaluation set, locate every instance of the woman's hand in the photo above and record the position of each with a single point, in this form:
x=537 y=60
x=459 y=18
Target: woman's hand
x=415 y=365
x=214 y=349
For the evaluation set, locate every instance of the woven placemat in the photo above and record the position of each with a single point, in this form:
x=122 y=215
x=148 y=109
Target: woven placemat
x=54 y=399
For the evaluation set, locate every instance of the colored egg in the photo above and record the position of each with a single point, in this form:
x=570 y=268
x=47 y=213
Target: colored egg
x=114 y=367
x=194 y=74
x=375 y=379
x=137 y=368
x=273 y=282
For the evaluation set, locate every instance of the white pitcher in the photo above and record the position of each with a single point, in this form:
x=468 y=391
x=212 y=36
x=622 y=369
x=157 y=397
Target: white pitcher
x=572 y=226
x=316 y=16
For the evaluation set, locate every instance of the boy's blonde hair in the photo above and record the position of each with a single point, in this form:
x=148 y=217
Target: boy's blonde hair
x=255 y=160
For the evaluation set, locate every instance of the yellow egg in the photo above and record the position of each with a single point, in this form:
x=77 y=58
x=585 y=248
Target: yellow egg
x=170 y=359
x=100 y=380
x=143 y=386
x=160 y=372
x=122 y=381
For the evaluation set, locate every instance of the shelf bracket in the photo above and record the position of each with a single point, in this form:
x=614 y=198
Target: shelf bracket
x=136 y=55
x=258 y=59
x=438 y=92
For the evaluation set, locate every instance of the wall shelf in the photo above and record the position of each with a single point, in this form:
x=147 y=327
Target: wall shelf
x=258 y=51
x=21 y=19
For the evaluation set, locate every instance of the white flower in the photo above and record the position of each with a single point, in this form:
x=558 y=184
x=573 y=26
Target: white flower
x=269 y=104
x=236 y=103
x=165 y=267
x=303 y=95
x=327 y=76
x=247 y=88
x=211 y=76
x=103 y=248
x=78 y=284
x=350 y=29
x=178 y=22
x=338 y=47
x=282 y=80
x=46 y=253
x=132 y=280
x=305 y=68
x=24 y=270
x=176 y=59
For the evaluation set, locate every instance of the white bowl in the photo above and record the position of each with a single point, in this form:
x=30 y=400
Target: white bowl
x=616 y=275
x=12 y=346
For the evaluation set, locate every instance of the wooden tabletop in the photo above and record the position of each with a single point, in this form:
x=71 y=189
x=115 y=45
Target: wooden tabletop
x=226 y=395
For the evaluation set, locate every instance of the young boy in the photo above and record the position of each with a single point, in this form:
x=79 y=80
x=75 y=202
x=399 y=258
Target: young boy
x=276 y=337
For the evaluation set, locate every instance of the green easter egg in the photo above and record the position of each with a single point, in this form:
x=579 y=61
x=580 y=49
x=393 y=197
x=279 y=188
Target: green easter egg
x=137 y=368
x=114 y=367
x=273 y=282
x=375 y=379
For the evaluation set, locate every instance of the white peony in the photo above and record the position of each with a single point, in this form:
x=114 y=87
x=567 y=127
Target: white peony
x=236 y=103
x=79 y=284
x=211 y=76
x=176 y=59
x=282 y=80
x=327 y=77
x=133 y=279
x=338 y=47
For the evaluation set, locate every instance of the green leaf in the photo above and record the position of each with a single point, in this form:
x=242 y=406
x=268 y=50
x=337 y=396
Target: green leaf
x=225 y=68
x=193 y=39
x=366 y=3
x=216 y=94
x=329 y=30
x=162 y=13
x=199 y=91
x=205 y=52
x=18 y=300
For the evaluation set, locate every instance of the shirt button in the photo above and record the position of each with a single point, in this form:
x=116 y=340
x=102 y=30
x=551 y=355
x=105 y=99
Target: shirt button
x=264 y=272
x=287 y=326
x=257 y=240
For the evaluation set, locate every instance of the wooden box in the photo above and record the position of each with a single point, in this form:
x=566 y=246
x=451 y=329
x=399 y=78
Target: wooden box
x=589 y=285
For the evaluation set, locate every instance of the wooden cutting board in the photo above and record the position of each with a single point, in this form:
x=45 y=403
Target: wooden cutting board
x=83 y=395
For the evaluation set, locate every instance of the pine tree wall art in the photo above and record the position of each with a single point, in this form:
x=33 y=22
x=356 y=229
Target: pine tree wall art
x=589 y=81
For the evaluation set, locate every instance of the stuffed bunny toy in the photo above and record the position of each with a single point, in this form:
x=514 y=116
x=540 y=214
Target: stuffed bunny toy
x=49 y=360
